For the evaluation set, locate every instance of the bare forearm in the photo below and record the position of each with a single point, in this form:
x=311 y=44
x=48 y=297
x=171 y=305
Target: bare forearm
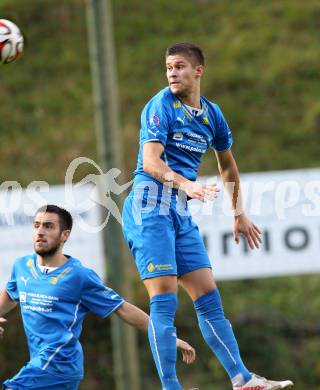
x=134 y=316
x=231 y=181
x=6 y=303
x=230 y=176
x=160 y=171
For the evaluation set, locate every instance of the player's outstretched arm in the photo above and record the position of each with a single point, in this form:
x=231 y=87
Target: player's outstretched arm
x=230 y=175
x=136 y=317
x=156 y=167
x=6 y=305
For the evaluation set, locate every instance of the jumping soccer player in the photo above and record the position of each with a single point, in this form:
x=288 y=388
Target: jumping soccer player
x=178 y=126
x=55 y=293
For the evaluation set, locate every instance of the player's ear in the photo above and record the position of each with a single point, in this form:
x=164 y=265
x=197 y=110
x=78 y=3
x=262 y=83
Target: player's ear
x=199 y=70
x=65 y=235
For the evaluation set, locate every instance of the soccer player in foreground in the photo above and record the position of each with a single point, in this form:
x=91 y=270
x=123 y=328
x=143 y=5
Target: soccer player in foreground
x=178 y=126
x=55 y=293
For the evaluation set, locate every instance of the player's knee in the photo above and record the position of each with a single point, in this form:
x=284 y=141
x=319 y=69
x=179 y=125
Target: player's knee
x=161 y=285
x=164 y=306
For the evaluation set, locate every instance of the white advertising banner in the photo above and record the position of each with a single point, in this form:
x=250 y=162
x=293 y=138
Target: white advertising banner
x=284 y=204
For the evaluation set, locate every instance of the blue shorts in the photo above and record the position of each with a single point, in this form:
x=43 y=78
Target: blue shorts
x=162 y=236
x=34 y=378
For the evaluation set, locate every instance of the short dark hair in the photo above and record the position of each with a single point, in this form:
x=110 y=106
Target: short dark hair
x=65 y=218
x=188 y=49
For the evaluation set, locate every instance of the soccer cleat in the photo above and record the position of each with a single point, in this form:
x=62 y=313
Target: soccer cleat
x=259 y=383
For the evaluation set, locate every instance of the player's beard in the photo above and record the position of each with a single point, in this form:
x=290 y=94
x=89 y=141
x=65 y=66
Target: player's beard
x=49 y=251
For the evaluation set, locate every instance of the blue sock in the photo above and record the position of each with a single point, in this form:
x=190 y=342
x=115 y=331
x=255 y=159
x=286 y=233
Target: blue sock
x=218 y=334
x=163 y=338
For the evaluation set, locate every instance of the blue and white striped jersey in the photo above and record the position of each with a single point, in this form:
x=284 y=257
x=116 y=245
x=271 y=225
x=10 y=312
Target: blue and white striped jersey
x=53 y=307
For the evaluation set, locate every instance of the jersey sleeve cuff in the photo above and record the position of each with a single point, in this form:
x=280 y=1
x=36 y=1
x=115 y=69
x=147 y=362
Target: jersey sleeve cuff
x=11 y=296
x=154 y=140
x=222 y=150
x=114 y=309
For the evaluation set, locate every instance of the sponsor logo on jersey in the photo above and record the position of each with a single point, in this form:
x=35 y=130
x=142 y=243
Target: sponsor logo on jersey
x=178 y=136
x=194 y=137
x=23 y=296
x=190 y=148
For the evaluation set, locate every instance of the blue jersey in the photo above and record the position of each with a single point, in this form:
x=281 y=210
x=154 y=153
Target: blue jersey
x=53 y=307
x=185 y=137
